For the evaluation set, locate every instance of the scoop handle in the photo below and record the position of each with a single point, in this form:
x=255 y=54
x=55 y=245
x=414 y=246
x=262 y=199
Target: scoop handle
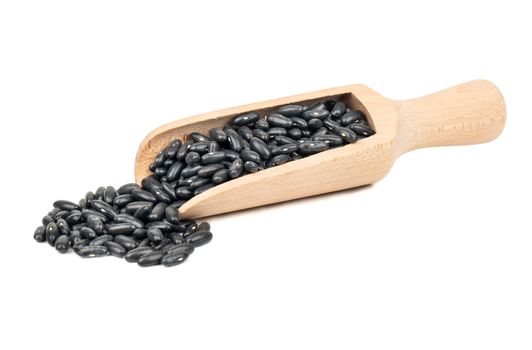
x=469 y=113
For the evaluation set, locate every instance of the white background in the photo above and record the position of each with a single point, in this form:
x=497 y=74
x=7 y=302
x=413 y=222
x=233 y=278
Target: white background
x=438 y=255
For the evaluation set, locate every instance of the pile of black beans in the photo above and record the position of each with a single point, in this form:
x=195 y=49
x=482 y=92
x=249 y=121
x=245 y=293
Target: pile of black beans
x=142 y=224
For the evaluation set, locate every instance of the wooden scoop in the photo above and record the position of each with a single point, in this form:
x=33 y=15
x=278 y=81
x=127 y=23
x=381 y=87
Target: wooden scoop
x=469 y=113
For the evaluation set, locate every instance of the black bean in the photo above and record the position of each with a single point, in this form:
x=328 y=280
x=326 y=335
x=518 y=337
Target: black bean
x=320 y=106
x=47 y=219
x=164 y=246
x=346 y=134
x=203 y=188
x=316 y=113
x=104 y=208
x=63 y=227
x=209 y=170
x=231 y=155
x=261 y=134
x=159 y=159
x=331 y=139
x=168 y=189
x=291 y=110
x=88 y=233
x=329 y=104
x=61 y=215
x=40 y=234
x=143 y=195
x=312 y=147
x=183 y=192
x=191 y=171
x=161 y=195
x=174 y=259
x=109 y=194
x=278 y=160
x=149 y=182
x=261 y=148
x=91 y=251
x=338 y=109
x=299 y=123
x=236 y=168
x=177 y=204
x=175 y=170
x=235 y=142
x=204 y=226
x=157 y=213
x=126 y=189
x=284 y=149
x=82 y=203
x=251 y=156
x=150 y=259
x=199 y=137
x=65 y=205
x=295 y=133
x=199 y=147
x=134 y=206
x=161 y=171
x=213 y=147
x=140 y=234
x=95 y=224
x=273 y=132
x=62 y=244
x=155 y=235
x=262 y=124
x=245 y=132
x=305 y=133
x=213 y=157
x=192 y=158
x=171 y=151
x=182 y=152
x=251 y=167
x=176 y=237
x=135 y=254
x=200 y=181
x=199 y=238
x=220 y=176
x=218 y=135
x=278 y=120
x=172 y=215
x=120 y=228
x=115 y=249
x=78 y=242
x=350 y=117
x=314 y=124
x=99 y=193
x=101 y=240
x=127 y=242
x=51 y=233
x=245 y=119
x=321 y=131
x=53 y=212
x=361 y=129
x=123 y=200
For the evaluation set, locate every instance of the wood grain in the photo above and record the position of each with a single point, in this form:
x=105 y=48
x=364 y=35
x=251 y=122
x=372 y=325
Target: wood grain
x=469 y=113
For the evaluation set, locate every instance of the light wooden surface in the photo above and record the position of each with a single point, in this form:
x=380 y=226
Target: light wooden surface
x=469 y=113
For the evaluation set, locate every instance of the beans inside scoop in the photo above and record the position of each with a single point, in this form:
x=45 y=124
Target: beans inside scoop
x=142 y=224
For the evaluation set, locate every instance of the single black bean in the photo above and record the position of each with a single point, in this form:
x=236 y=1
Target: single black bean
x=314 y=124
x=128 y=219
x=278 y=120
x=135 y=254
x=218 y=135
x=236 y=168
x=99 y=193
x=190 y=170
x=52 y=233
x=120 y=228
x=291 y=110
x=299 y=123
x=126 y=189
x=183 y=192
x=104 y=208
x=61 y=215
x=273 y=132
x=161 y=171
x=91 y=251
x=40 y=234
x=203 y=188
x=320 y=106
x=261 y=148
x=251 y=167
x=172 y=215
x=213 y=147
x=169 y=190
x=174 y=259
x=115 y=249
x=199 y=147
x=316 y=113
x=134 y=206
x=331 y=139
x=329 y=104
x=171 y=151
x=285 y=140
x=82 y=203
x=338 y=110
x=261 y=134
x=199 y=238
x=157 y=213
x=89 y=197
x=200 y=181
x=350 y=117
x=220 y=176
x=63 y=227
x=159 y=159
x=235 y=142
x=278 y=160
x=182 y=152
x=161 y=195
x=126 y=242
x=208 y=171
x=139 y=234
x=155 y=235
x=321 y=131
x=143 y=195
x=192 y=158
x=123 y=200
x=109 y=194
x=47 y=219
x=284 y=149
x=262 y=124
x=231 y=155
x=65 y=205
x=95 y=224
x=78 y=242
x=149 y=182
x=204 y=226
x=249 y=155
x=312 y=147
x=361 y=129
x=347 y=135
x=101 y=240
x=305 y=133
x=150 y=259
x=245 y=119
x=62 y=244
x=88 y=233
x=295 y=133
x=199 y=137
x=191 y=228
x=175 y=170
x=245 y=132
x=213 y=157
